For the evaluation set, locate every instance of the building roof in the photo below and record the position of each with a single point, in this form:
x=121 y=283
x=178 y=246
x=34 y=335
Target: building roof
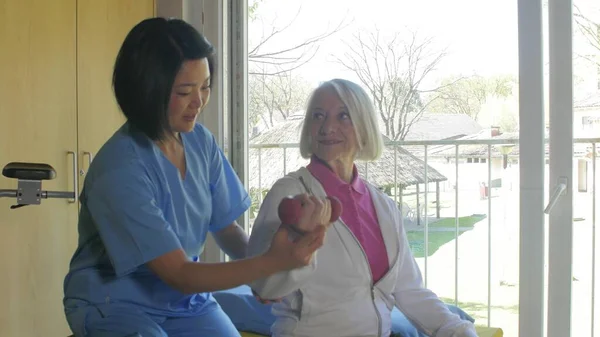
x=410 y=170
x=591 y=101
x=434 y=126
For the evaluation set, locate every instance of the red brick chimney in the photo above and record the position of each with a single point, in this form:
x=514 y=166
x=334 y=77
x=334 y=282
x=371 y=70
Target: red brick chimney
x=495 y=131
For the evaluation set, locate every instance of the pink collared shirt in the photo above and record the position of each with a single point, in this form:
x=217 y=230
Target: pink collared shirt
x=358 y=213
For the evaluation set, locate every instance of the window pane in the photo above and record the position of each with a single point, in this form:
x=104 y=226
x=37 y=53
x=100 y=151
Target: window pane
x=432 y=77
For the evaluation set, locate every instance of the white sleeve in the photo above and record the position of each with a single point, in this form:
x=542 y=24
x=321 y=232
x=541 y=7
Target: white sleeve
x=265 y=226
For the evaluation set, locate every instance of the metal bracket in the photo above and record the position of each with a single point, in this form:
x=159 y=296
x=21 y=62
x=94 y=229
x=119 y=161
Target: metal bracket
x=559 y=191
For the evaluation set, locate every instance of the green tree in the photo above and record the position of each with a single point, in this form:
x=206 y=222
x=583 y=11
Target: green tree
x=466 y=95
x=253 y=9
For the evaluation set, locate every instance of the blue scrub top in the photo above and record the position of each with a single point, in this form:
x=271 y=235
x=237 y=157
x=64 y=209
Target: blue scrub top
x=135 y=207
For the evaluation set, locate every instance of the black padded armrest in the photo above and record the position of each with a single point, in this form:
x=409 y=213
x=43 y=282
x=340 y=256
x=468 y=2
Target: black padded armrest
x=29 y=171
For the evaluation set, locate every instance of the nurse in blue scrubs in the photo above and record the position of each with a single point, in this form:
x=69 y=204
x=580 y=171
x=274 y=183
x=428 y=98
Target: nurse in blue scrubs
x=154 y=191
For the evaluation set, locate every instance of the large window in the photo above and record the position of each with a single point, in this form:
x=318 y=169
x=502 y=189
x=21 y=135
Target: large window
x=436 y=71
x=443 y=76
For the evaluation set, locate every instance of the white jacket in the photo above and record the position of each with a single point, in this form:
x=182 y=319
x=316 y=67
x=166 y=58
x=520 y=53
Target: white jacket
x=335 y=295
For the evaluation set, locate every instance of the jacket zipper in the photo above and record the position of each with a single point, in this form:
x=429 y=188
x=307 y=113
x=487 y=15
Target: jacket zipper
x=372 y=285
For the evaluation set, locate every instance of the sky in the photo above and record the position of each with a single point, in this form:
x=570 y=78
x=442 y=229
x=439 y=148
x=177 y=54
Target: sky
x=480 y=36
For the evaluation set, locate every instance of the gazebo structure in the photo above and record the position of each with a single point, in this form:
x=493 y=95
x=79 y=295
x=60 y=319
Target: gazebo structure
x=275 y=152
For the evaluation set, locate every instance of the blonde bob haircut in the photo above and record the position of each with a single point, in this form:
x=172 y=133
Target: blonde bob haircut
x=362 y=113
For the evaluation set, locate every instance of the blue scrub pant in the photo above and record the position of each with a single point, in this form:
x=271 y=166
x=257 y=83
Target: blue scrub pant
x=124 y=320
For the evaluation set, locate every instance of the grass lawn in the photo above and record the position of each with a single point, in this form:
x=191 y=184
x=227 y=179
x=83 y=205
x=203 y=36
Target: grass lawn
x=465 y=221
x=439 y=236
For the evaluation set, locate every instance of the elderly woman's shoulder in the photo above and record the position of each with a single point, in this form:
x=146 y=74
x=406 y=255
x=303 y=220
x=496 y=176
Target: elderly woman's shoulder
x=291 y=179
x=291 y=183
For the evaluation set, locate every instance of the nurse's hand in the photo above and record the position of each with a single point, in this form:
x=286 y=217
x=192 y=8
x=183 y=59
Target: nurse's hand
x=289 y=254
x=313 y=212
x=317 y=215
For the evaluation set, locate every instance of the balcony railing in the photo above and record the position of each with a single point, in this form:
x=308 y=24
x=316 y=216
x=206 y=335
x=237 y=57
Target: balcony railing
x=490 y=192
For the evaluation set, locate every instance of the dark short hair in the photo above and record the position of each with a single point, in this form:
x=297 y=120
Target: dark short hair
x=146 y=66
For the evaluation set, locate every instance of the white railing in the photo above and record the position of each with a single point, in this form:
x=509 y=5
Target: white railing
x=451 y=150
x=594 y=153
x=593 y=291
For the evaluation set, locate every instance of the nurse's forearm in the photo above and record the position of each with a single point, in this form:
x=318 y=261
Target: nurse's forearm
x=176 y=270
x=196 y=277
x=233 y=240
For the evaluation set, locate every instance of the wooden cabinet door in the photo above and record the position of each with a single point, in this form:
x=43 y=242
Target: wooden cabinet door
x=101 y=29
x=37 y=124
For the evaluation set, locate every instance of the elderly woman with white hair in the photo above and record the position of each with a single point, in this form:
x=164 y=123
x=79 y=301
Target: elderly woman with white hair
x=365 y=266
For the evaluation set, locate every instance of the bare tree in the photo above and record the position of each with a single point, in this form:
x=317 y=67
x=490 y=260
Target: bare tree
x=275 y=98
x=272 y=54
x=590 y=29
x=275 y=89
x=393 y=71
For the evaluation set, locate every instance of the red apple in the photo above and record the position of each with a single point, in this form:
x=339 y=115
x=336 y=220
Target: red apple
x=290 y=209
x=336 y=208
